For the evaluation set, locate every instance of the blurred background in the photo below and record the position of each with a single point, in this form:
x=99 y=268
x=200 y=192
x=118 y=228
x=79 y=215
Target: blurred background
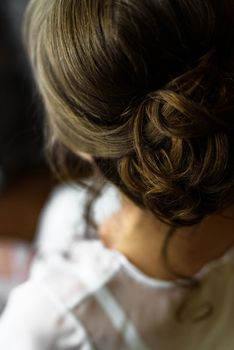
x=25 y=181
x=24 y=178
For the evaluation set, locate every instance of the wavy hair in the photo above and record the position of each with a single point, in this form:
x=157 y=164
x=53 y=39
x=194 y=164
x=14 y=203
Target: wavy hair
x=146 y=88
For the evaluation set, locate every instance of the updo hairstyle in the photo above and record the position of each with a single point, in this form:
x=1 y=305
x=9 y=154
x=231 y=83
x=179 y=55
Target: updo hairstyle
x=146 y=88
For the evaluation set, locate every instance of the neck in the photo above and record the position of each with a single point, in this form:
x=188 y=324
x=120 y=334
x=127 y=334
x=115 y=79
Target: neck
x=140 y=236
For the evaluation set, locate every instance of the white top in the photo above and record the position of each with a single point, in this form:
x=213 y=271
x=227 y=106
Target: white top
x=81 y=295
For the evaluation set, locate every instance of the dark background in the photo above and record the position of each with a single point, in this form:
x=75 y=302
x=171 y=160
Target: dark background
x=25 y=180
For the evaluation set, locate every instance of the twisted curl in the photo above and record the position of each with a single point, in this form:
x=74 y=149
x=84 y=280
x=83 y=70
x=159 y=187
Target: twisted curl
x=182 y=164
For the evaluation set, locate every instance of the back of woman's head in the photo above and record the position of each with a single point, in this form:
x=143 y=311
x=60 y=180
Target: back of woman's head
x=145 y=87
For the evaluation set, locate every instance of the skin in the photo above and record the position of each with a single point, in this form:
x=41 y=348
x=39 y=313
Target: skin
x=140 y=236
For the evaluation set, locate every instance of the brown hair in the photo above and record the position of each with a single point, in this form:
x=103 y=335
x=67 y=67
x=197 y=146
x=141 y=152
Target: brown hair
x=147 y=88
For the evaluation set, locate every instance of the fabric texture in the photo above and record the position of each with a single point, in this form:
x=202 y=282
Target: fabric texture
x=82 y=295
